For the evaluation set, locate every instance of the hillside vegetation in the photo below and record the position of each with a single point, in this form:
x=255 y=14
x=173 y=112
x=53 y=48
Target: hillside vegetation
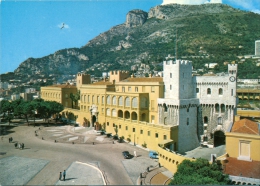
x=209 y=33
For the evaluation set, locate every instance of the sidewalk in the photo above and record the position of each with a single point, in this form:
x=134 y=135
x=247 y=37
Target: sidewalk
x=155 y=176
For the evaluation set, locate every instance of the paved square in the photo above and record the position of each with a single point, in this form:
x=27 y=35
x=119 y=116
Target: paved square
x=139 y=163
x=18 y=170
x=82 y=174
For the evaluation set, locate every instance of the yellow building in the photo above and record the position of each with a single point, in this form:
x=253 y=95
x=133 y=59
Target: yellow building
x=242 y=147
x=248 y=94
x=130 y=104
x=59 y=93
x=125 y=102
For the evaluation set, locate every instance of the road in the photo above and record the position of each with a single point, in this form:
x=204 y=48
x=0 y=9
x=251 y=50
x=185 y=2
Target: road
x=107 y=156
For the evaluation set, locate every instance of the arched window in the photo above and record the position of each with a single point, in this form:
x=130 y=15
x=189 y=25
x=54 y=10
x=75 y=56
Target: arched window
x=114 y=112
x=222 y=107
x=217 y=107
x=220 y=91
x=108 y=112
x=108 y=100
x=120 y=114
x=127 y=115
x=93 y=99
x=143 y=118
x=144 y=103
x=208 y=91
x=114 y=100
x=127 y=102
x=165 y=107
x=88 y=98
x=120 y=101
x=134 y=103
x=103 y=99
x=134 y=116
x=97 y=99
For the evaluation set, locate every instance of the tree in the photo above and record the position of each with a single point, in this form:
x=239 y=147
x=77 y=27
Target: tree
x=199 y=172
x=55 y=108
x=74 y=98
x=116 y=129
x=16 y=107
x=6 y=107
x=26 y=108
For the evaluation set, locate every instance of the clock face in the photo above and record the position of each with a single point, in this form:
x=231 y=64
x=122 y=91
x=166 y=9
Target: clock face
x=232 y=78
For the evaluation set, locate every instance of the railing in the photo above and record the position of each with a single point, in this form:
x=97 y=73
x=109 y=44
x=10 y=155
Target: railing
x=244 y=180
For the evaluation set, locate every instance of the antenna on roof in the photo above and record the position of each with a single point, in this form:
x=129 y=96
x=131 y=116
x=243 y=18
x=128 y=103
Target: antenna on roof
x=176 y=46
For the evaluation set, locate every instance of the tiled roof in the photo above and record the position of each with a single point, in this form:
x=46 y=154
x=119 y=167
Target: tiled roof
x=246 y=126
x=102 y=83
x=237 y=167
x=63 y=86
x=144 y=79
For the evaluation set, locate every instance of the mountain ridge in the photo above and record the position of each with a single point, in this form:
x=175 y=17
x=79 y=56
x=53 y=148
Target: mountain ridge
x=208 y=30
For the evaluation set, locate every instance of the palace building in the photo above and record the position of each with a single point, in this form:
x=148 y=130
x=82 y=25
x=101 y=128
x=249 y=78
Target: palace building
x=178 y=111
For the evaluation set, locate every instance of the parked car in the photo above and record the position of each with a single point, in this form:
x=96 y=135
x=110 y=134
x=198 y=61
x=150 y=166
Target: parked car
x=126 y=154
x=153 y=154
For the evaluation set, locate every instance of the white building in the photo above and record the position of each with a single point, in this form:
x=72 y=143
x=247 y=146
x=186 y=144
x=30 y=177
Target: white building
x=15 y=97
x=202 y=107
x=257 y=48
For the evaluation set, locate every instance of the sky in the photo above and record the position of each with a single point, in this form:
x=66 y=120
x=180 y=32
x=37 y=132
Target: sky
x=33 y=28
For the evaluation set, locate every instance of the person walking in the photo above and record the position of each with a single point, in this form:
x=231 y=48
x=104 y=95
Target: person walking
x=64 y=175
x=60 y=176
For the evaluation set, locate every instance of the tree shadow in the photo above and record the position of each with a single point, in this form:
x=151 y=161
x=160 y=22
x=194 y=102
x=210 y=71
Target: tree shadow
x=5 y=130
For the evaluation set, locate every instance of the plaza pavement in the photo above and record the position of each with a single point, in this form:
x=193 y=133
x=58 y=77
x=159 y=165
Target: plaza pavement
x=86 y=164
x=40 y=162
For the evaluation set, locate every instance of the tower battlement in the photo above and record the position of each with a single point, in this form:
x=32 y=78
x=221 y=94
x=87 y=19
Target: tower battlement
x=232 y=68
x=118 y=75
x=118 y=72
x=178 y=62
x=83 y=79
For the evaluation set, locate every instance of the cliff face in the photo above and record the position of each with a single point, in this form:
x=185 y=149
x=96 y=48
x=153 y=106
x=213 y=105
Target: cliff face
x=209 y=29
x=136 y=18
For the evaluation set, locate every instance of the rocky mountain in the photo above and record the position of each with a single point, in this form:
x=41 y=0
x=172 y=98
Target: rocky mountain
x=216 y=32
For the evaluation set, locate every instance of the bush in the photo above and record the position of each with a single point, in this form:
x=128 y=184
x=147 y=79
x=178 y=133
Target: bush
x=115 y=137
x=128 y=139
x=144 y=145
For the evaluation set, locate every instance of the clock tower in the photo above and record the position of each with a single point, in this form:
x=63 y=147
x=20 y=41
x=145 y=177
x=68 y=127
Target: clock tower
x=232 y=85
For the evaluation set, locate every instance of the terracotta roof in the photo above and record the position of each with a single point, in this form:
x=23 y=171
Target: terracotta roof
x=144 y=79
x=237 y=167
x=63 y=86
x=246 y=126
x=102 y=83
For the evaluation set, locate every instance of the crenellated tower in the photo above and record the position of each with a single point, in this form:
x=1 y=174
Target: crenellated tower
x=117 y=76
x=83 y=79
x=180 y=107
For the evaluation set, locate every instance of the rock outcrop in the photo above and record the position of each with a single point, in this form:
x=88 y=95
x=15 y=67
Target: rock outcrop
x=136 y=18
